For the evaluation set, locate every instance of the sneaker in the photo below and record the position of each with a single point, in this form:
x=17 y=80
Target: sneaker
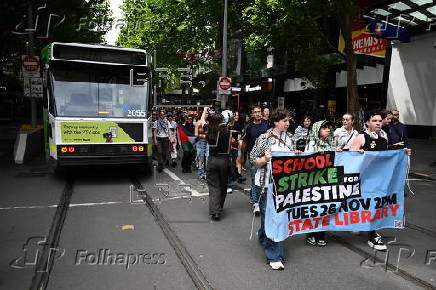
x=256 y=209
x=277 y=265
x=229 y=190
x=311 y=240
x=377 y=244
x=321 y=243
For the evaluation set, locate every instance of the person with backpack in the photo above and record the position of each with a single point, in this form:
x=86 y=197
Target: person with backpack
x=301 y=134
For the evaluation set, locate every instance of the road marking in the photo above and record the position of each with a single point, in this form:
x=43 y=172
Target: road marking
x=172 y=174
x=176 y=178
x=55 y=205
x=95 y=203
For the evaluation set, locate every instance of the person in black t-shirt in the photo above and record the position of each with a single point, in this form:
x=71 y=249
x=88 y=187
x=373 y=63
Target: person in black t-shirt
x=218 y=164
x=372 y=139
x=254 y=130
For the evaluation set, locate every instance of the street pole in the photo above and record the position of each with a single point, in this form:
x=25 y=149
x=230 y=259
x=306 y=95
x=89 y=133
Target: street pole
x=31 y=51
x=154 y=87
x=224 y=55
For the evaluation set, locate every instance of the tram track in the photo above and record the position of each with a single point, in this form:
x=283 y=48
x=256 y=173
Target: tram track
x=191 y=267
x=51 y=248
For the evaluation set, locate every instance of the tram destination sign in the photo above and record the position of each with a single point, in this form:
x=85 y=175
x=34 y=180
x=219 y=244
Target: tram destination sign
x=98 y=54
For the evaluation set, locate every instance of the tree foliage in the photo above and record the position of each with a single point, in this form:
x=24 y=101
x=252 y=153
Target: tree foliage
x=292 y=30
x=71 y=21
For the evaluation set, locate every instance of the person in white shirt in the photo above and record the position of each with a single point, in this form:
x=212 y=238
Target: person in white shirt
x=161 y=132
x=173 y=140
x=345 y=135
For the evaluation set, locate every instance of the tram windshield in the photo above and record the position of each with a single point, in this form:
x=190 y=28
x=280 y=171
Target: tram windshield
x=98 y=90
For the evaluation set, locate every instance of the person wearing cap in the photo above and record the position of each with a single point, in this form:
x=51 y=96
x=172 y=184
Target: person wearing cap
x=320 y=140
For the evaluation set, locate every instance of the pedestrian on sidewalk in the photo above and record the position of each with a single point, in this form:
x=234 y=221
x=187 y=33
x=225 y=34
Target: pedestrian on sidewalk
x=254 y=130
x=276 y=139
x=201 y=145
x=373 y=139
x=320 y=140
x=160 y=132
x=344 y=135
x=218 y=164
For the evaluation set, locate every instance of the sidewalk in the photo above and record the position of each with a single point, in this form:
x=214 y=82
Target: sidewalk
x=423 y=159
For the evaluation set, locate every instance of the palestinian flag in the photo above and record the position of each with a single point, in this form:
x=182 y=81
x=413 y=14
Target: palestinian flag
x=185 y=139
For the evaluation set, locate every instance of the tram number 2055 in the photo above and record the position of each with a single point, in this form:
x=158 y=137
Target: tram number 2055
x=136 y=113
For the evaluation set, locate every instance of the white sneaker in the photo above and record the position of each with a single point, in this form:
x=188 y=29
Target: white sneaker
x=277 y=265
x=229 y=190
x=377 y=244
x=256 y=209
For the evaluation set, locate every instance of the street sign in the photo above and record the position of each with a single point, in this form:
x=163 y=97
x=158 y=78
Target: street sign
x=30 y=66
x=224 y=85
x=33 y=87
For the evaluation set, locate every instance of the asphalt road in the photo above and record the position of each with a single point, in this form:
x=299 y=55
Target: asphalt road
x=90 y=232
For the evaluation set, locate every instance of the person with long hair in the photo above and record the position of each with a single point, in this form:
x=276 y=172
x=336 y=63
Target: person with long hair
x=275 y=139
x=302 y=132
x=201 y=146
x=344 y=135
x=218 y=164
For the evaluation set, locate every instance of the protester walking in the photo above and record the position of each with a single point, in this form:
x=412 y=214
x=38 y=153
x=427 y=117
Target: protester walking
x=160 y=132
x=320 y=140
x=344 y=135
x=186 y=139
x=218 y=165
x=201 y=145
x=254 y=130
x=301 y=135
x=275 y=139
x=173 y=140
x=373 y=139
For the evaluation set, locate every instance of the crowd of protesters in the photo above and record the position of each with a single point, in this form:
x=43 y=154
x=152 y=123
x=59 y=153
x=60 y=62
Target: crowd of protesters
x=221 y=145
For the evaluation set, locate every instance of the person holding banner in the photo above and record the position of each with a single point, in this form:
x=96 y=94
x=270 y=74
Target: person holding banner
x=320 y=140
x=275 y=139
x=373 y=139
x=344 y=136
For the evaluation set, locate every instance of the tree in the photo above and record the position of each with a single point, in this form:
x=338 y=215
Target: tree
x=71 y=21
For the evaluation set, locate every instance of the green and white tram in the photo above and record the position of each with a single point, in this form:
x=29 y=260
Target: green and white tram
x=96 y=105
